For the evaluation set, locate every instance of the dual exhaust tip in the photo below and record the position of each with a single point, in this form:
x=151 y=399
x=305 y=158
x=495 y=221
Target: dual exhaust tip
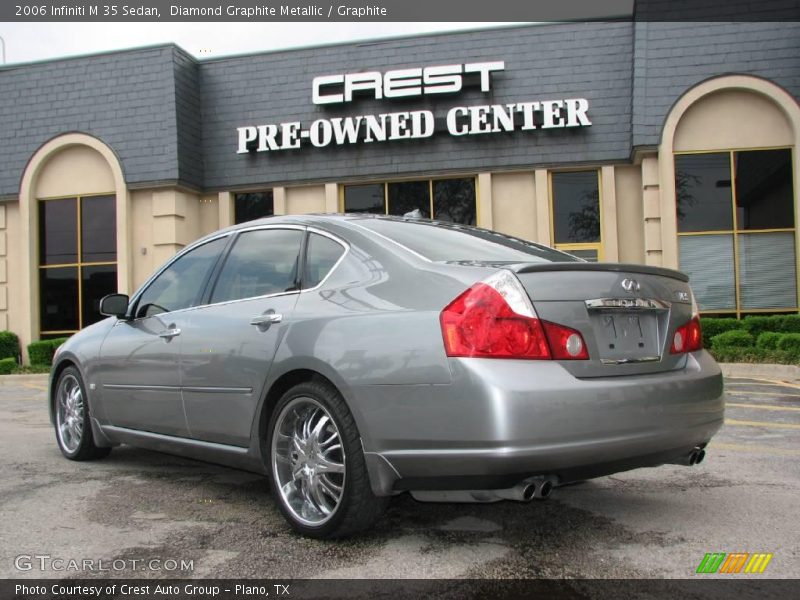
x=533 y=488
x=527 y=490
x=695 y=457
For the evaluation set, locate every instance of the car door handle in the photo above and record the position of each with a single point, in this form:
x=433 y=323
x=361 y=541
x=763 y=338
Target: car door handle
x=266 y=319
x=170 y=333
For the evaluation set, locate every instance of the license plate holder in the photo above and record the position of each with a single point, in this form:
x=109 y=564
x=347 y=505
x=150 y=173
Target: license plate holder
x=624 y=336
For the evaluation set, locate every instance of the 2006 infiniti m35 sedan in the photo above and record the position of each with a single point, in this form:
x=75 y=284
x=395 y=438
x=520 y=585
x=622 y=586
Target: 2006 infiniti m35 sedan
x=354 y=357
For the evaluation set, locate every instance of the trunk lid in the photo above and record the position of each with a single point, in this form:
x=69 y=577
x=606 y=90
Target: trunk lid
x=627 y=314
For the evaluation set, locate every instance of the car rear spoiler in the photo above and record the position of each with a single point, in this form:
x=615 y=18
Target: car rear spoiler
x=593 y=266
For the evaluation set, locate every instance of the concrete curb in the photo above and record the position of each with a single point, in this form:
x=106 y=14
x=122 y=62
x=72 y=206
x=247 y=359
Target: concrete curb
x=24 y=378
x=789 y=373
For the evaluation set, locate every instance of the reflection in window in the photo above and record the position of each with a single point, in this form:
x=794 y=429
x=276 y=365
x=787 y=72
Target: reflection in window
x=58 y=299
x=58 y=231
x=737 y=238
x=252 y=205
x=764 y=196
x=453 y=199
x=261 y=262
x=321 y=254
x=77 y=261
x=180 y=284
x=98 y=229
x=703 y=190
x=448 y=243
x=576 y=207
x=96 y=281
x=407 y=196
x=364 y=199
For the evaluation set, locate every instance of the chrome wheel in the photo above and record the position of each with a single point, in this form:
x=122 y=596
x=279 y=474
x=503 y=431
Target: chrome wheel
x=308 y=461
x=69 y=413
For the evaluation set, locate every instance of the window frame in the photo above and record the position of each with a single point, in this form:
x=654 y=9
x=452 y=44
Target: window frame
x=213 y=275
x=567 y=247
x=78 y=264
x=430 y=180
x=304 y=257
x=216 y=273
x=133 y=305
x=736 y=232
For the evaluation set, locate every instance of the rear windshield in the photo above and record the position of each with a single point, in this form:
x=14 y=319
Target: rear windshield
x=455 y=243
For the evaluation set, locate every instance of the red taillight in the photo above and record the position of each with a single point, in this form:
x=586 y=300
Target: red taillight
x=480 y=323
x=688 y=338
x=566 y=343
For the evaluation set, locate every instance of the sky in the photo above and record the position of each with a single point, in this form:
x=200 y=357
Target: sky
x=26 y=42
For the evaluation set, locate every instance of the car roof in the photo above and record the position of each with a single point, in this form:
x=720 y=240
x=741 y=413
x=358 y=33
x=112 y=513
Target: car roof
x=321 y=219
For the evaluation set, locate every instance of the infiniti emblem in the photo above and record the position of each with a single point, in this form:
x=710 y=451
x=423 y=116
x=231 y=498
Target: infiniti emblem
x=630 y=285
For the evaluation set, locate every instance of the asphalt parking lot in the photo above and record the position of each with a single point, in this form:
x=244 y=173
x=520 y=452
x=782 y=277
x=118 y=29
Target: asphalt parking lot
x=138 y=506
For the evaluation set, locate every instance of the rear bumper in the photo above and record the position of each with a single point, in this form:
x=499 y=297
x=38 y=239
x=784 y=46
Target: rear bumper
x=500 y=421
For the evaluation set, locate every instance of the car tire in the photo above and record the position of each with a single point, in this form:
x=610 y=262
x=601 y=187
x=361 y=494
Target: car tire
x=318 y=474
x=72 y=418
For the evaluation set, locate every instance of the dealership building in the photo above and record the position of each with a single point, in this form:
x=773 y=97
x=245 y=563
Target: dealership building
x=663 y=143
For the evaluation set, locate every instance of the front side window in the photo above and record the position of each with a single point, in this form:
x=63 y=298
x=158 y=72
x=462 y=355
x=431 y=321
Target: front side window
x=261 y=262
x=181 y=284
x=77 y=261
x=451 y=200
x=576 y=213
x=736 y=229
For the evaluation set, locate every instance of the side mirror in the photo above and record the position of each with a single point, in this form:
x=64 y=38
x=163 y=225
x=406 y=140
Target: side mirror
x=114 y=305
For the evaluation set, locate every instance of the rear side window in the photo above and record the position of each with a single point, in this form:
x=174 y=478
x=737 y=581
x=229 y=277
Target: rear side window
x=457 y=243
x=321 y=256
x=261 y=262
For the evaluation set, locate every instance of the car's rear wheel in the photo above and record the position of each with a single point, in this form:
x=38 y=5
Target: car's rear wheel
x=73 y=428
x=319 y=476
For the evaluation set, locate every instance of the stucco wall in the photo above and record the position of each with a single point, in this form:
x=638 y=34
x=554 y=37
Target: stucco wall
x=514 y=204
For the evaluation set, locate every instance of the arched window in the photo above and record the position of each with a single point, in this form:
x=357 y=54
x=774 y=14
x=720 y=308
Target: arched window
x=734 y=170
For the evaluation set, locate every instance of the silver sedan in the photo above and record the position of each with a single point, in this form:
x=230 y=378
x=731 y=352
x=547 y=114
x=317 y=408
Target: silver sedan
x=351 y=358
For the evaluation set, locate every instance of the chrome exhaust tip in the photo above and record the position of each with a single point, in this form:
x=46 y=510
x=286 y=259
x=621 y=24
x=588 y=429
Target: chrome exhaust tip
x=524 y=491
x=544 y=490
x=699 y=456
x=529 y=492
x=695 y=457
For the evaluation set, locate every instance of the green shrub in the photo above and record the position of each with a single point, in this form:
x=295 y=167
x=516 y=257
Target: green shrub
x=768 y=340
x=789 y=323
x=9 y=345
x=790 y=343
x=758 y=324
x=754 y=355
x=712 y=326
x=7 y=365
x=735 y=338
x=41 y=352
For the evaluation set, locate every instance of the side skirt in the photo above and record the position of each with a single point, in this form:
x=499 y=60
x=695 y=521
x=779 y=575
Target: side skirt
x=223 y=454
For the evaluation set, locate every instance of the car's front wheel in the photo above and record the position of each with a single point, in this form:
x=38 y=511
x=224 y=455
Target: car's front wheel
x=73 y=428
x=319 y=476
